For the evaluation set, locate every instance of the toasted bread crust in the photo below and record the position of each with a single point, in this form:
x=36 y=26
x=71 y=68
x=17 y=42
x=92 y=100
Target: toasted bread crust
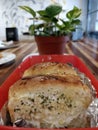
x=50 y=68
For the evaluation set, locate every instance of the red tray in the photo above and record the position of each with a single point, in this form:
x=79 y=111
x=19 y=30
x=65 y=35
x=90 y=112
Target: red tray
x=16 y=75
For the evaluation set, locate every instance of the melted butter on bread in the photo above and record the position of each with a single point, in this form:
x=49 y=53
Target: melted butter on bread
x=50 y=101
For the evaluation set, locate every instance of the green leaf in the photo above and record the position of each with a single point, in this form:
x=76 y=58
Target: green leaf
x=74 y=13
x=32 y=29
x=53 y=10
x=76 y=22
x=29 y=10
x=42 y=13
x=45 y=17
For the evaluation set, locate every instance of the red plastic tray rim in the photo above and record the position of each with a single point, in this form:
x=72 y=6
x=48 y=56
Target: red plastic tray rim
x=17 y=74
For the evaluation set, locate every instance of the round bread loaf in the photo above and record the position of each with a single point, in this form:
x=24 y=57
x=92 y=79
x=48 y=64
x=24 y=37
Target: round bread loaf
x=50 y=101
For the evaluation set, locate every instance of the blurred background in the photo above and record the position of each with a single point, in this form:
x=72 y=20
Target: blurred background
x=12 y=16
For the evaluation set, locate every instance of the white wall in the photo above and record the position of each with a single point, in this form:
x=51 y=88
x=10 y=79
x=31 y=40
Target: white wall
x=11 y=15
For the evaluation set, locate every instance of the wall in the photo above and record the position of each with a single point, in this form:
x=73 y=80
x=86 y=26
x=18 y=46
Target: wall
x=12 y=16
x=93 y=16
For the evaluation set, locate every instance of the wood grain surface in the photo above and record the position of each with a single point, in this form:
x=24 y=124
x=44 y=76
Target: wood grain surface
x=86 y=49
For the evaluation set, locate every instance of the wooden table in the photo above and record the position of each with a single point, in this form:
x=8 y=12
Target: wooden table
x=26 y=47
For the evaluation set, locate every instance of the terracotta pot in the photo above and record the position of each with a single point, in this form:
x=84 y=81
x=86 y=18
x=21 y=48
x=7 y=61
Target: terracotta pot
x=51 y=44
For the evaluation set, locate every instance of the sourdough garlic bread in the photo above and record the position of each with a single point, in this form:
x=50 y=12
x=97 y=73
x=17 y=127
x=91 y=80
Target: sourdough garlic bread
x=50 y=101
x=50 y=68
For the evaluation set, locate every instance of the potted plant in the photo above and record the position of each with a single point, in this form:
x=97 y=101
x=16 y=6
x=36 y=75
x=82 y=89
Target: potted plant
x=50 y=30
